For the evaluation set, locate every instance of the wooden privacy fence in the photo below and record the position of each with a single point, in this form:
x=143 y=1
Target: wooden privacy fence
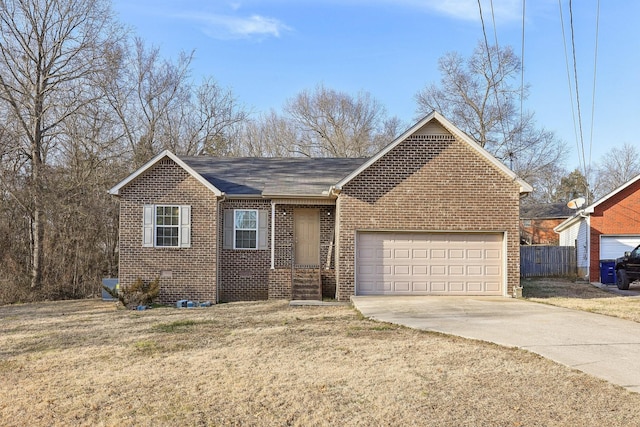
x=547 y=261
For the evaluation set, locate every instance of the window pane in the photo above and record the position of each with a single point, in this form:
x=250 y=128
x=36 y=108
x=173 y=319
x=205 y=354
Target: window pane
x=246 y=239
x=167 y=236
x=246 y=220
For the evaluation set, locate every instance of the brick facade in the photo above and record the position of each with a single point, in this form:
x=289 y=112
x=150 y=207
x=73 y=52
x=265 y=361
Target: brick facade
x=185 y=273
x=540 y=231
x=428 y=183
x=244 y=273
x=280 y=278
x=616 y=215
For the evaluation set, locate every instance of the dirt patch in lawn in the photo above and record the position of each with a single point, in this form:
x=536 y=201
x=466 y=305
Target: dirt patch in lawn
x=265 y=363
x=581 y=296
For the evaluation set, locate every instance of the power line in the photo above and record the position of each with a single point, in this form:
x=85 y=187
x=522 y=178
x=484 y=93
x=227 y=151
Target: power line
x=493 y=75
x=575 y=74
x=566 y=57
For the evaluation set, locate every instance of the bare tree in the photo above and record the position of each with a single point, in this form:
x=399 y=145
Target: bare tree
x=332 y=123
x=51 y=52
x=271 y=135
x=158 y=107
x=143 y=91
x=618 y=166
x=479 y=95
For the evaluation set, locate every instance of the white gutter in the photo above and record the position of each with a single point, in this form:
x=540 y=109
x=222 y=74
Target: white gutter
x=273 y=234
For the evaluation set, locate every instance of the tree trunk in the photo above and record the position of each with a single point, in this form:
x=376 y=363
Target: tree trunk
x=37 y=225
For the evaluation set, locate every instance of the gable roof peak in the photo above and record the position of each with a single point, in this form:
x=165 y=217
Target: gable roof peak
x=166 y=153
x=453 y=130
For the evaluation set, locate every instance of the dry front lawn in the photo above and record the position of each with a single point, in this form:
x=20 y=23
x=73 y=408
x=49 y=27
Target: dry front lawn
x=265 y=363
x=581 y=296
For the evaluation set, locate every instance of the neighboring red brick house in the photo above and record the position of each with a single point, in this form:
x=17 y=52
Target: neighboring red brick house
x=537 y=222
x=605 y=229
x=432 y=213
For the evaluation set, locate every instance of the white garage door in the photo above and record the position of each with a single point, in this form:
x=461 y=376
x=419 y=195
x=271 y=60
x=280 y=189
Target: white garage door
x=612 y=247
x=429 y=263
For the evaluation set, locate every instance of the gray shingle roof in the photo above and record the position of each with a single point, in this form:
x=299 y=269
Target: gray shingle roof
x=546 y=210
x=295 y=176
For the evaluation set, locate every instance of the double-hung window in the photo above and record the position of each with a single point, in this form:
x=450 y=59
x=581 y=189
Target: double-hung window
x=245 y=229
x=167 y=226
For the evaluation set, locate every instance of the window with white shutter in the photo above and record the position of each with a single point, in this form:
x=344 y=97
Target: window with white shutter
x=166 y=226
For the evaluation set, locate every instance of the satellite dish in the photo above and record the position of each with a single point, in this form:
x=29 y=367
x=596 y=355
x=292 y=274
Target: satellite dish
x=576 y=203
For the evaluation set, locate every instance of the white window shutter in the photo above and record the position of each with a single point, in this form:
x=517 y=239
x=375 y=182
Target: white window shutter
x=147 y=226
x=263 y=229
x=185 y=226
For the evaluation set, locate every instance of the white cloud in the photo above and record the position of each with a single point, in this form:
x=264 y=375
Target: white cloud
x=503 y=10
x=236 y=27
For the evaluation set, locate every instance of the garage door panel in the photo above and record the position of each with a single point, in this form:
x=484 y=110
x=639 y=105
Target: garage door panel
x=420 y=270
x=492 y=270
x=492 y=286
x=420 y=287
x=438 y=254
x=430 y=263
x=438 y=286
x=456 y=253
x=401 y=254
x=475 y=270
x=384 y=269
x=399 y=286
x=420 y=254
x=475 y=286
x=492 y=254
x=403 y=270
x=474 y=253
x=456 y=270
x=456 y=287
x=438 y=270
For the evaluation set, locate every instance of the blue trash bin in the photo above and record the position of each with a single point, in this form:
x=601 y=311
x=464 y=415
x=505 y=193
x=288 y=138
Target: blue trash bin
x=608 y=271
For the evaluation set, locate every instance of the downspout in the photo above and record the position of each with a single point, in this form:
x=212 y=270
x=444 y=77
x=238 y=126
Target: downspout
x=273 y=235
x=219 y=246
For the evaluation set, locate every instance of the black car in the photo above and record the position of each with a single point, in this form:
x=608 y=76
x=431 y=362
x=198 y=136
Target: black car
x=628 y=268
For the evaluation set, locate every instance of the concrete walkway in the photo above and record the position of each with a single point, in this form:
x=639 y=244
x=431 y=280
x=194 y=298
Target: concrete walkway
x=603 y=346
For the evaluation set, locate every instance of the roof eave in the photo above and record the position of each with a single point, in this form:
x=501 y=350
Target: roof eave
x=569 y=222
x=297 y=196
x=166 y=153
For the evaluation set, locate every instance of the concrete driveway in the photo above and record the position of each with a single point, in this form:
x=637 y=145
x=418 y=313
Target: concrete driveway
x=603 y=346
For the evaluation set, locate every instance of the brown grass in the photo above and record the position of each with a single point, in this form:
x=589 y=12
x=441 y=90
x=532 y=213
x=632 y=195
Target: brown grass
x=581 y=296
x=265 y=363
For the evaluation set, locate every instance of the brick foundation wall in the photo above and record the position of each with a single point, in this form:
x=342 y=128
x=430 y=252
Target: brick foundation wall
x=186 y=273
x=280 y=283
x=428 y=184
x=618 y=215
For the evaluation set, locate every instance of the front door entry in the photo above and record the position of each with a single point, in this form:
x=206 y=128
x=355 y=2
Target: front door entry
x=306 y=235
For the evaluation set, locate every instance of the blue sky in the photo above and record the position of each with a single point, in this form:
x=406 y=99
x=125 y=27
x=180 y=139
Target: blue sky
x=267 y=51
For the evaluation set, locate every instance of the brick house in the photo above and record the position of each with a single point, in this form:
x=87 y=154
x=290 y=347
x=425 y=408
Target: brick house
x=605 y=229
x=431 y=213
x=537 y=222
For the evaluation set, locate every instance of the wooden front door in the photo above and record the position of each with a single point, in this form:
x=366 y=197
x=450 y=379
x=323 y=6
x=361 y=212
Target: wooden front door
x=306 y=235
